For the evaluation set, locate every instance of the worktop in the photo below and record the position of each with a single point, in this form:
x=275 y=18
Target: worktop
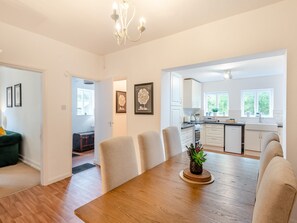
x=188 y=125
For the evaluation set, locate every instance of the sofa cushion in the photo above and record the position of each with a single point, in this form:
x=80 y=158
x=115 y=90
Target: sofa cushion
x=10 y=138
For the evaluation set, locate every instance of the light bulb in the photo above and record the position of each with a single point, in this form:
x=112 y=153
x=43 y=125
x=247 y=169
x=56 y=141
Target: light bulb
x=118 y=27
x=114 y=6
x=142 y=21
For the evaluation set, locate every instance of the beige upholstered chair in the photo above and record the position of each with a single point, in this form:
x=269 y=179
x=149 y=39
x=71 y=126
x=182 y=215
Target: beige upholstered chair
x=267 y=139
x=172 y=141
x=273 y=149
x=150 y=149
x=277 y=191
x=118 y=162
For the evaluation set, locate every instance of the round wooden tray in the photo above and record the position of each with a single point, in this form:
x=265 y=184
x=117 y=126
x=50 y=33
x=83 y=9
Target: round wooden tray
x=205 y=178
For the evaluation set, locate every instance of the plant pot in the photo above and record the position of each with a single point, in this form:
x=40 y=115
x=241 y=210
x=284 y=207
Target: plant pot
x=195 y=168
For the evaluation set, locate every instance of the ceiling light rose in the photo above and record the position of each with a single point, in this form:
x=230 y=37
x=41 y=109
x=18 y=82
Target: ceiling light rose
x=120 y=15
x=227 y=74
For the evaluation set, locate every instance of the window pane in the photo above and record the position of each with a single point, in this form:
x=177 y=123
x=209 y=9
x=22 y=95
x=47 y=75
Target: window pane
x=211 y=102
x=85 y=102
x=249 y=103
x=79 y=101
x=223 y=104
x=264 y=102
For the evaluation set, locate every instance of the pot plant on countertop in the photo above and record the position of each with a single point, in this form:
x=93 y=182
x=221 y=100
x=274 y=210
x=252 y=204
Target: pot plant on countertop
x=197 y=158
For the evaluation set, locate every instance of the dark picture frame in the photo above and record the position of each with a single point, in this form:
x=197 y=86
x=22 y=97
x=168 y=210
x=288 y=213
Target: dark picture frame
x=18 y=95
x=9 y=97
x=144 y=99
x=121 y=102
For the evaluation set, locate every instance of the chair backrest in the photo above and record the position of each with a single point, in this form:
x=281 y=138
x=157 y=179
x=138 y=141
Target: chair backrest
x=277 y=191
x=150 y=150
x=117 y=161
x=273 y=149
x=172 y=141
x=268 y=137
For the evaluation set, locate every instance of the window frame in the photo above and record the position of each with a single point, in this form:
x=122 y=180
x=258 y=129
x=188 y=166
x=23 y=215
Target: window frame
x=216 y=93
x=256 y=93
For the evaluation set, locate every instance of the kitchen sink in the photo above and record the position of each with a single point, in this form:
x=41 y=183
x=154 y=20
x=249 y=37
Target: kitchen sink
x=261 y=126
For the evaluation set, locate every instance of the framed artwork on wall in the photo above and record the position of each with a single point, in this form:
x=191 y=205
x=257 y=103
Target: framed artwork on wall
x=121 y=100
x=9 y=97
x=18 y=95
x=144 y=99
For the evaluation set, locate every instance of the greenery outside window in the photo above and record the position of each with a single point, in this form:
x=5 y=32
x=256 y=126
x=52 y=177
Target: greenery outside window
x=216 y=100
x=257 y=101
x=85 y=102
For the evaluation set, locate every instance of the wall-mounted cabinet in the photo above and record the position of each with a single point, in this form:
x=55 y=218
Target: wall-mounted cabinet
x=192 y=94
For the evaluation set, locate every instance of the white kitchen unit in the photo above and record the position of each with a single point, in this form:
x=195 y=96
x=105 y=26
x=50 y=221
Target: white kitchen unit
x=176 y=90
x=253 y=137
x=192 y=94
x=233 y=139
x=214 y=137
x=187 y=136
x=176 y=95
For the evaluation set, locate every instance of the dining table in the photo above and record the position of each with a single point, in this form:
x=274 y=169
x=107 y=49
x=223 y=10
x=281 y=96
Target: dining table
x=161 y=195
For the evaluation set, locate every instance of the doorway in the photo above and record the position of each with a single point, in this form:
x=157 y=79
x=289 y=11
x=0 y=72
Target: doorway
x=20 y=115
x=83 y=124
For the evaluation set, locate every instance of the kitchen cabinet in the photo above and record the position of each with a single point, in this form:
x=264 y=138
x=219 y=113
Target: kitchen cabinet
x=191 y=94
x=176 y=89
x=214 y=137
x=176 y=110
x=187 y=137
x=253 y=141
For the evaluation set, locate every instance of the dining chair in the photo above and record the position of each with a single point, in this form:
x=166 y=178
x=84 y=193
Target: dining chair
x=277 y=191
x=172 y=141
x=117 y=161
x=150 y=150
x=273 y=149
x=267 y=139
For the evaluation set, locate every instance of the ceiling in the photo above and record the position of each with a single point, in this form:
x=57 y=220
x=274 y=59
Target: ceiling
x=260 y=65
x=86 y=24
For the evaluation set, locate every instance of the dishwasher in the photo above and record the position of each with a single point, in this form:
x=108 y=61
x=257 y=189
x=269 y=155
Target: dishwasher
x=233 y=139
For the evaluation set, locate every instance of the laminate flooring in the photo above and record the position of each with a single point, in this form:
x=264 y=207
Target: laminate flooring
x=53 y=203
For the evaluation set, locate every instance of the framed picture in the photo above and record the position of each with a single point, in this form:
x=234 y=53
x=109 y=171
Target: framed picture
x=9 y=97
x=144 y=99
x=121 y=100
x=18 y=95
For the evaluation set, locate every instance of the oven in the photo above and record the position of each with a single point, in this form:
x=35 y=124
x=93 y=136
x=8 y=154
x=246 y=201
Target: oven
x=197 y=134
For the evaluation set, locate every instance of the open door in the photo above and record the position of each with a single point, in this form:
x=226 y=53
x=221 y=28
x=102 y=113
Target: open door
x=103 y=113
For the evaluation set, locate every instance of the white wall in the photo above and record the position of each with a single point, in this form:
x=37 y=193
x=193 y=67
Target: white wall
x=56 y=61
x=263 y=30
x=27 y=119
x=119 y=119
x=234 y=87
x=81 y=123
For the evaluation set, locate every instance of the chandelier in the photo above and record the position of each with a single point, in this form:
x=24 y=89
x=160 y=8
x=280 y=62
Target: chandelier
x=122 y=18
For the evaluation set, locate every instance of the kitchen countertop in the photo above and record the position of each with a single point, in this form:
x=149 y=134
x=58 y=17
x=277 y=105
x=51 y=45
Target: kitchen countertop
x=188 y=125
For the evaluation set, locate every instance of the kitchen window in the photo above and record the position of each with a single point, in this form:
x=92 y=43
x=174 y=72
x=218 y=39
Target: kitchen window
x=85 y=102
x=216 y=100
x=257 y=101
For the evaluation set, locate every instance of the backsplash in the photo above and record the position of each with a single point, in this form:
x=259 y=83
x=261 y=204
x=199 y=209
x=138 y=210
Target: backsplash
x=236 y=114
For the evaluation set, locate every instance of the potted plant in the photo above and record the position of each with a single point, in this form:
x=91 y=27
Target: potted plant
x=215 y=110
x=197 y=158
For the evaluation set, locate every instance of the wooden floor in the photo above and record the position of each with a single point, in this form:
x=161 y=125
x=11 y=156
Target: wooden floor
x=53 y=203
x=84 y=157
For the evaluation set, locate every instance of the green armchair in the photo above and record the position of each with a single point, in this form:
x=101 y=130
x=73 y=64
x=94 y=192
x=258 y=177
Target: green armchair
x=9 y=148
